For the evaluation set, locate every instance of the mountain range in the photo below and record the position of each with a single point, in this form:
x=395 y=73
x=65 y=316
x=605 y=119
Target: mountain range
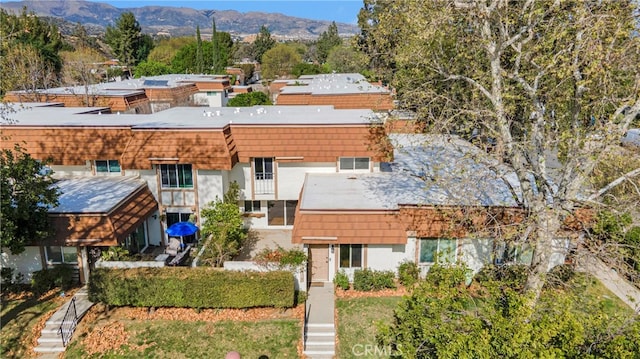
x=178 y=21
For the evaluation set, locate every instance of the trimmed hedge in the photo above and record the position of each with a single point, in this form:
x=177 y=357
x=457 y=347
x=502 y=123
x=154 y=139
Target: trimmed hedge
x=200 y=287
x=60 y=276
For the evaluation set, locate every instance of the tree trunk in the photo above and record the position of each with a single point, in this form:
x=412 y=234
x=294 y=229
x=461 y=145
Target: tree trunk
x=547 y=223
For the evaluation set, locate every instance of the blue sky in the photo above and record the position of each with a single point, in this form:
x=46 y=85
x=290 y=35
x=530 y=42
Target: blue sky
x=331 y=10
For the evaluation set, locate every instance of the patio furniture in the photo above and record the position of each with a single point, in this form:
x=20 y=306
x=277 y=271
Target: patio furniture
x=180 y=257
x=173 y=247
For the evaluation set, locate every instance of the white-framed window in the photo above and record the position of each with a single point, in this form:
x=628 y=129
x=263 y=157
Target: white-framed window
x=514 y=253
x=106 y=166
x=281 y=213
x=444 y=250
x=354 y=163
x=351 y=256
x=252 y=206
x=176 y=176
x=263 y=175
x=61 y=254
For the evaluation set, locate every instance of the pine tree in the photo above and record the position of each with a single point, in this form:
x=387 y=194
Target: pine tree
x=199 y=58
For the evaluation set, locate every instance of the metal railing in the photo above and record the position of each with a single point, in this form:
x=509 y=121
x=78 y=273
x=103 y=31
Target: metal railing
x=264 y=183
x=69 y=322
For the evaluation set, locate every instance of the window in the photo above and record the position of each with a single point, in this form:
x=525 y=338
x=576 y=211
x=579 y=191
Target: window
x=176 y=176
x=252 y=206
x=514 y=253
x=444 y=250
x=281 y=213
x=351 y=256
x=104 y=166
x=263 y=169
x=58 y=254
x=354 y=163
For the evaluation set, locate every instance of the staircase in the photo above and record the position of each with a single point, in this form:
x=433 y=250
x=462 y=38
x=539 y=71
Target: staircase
x=319 y=328
x=50 y=341
x=319 y=341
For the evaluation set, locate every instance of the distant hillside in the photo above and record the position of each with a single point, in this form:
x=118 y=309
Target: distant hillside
x=179 y=21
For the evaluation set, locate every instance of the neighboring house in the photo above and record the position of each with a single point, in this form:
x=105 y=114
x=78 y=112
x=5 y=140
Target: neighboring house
x=93 y=211
x=343 y=91
x=440 y=199
x=188 y=156
x=137 y=96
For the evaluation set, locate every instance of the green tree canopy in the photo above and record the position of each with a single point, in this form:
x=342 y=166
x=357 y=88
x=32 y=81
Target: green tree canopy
x=263 y=43
x=344 y=59
x=126 y=40
x=28 y=35
x=26 y=195
x=327 y=41
x=166 y=49
x=249 y=99
x=223 y=227
x=151 y=68
x=279 y=61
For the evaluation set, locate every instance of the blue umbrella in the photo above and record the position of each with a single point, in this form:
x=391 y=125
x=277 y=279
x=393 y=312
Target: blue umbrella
x=180 y=229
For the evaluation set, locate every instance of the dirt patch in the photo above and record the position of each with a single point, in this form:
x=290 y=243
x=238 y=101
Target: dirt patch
x=347 y=294
x=98 y=312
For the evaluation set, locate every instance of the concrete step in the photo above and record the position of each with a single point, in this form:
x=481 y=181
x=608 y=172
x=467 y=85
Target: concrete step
x=320 y=328
x=49 y=339
x=319 y=337
x=317 y=353
x=49 y=348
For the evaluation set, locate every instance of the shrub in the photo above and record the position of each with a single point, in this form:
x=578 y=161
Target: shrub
x=514 y=275
x=300 y=297
x=199 y=287
x=560 y=276
x=341 y=280
x=284 y=259
x=60 y=276
x=408 y=273
x=369 y=280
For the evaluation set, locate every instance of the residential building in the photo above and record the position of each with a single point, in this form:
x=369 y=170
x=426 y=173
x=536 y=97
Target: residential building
x=343 y=91
x=188 y=156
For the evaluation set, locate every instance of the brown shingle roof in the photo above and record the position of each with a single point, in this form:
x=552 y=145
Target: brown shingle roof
x=203 y=149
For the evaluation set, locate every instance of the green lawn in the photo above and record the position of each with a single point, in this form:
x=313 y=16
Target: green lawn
x=356 y=326
x=17 y=320
x=180 y=339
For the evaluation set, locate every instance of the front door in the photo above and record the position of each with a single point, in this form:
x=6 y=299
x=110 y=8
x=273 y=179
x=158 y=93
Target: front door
x=319 y=262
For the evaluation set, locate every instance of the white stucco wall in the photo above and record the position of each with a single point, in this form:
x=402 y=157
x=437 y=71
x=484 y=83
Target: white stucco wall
x=25 y=263
x=210 y=98
x=290 y=177
x=389 y=257
x=67 y=171
x=150 y=177
x=475 y=252
x=558 y=252
x=211 y=184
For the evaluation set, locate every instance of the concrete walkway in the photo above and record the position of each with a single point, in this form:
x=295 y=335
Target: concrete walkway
x=319 y=328
x=611 y=279
x=50 y=342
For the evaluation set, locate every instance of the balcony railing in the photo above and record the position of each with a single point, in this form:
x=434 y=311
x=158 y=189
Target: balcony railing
x=264 y=183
